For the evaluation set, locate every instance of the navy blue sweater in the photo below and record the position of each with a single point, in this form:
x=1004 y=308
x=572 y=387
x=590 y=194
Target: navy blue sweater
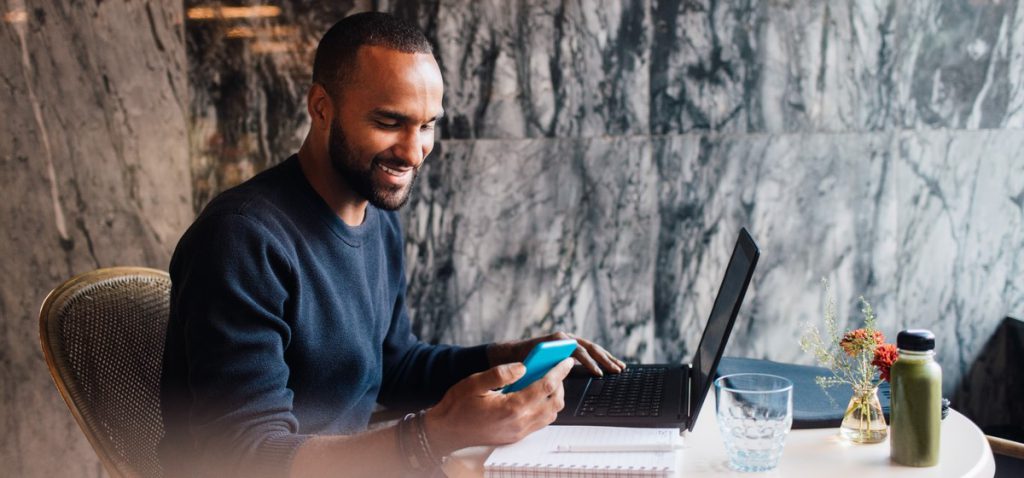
x=285 y=322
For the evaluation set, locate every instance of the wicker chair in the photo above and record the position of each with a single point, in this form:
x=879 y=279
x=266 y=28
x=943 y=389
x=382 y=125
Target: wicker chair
x=102 y=334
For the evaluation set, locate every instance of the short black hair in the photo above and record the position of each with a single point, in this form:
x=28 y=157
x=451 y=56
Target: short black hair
x=336 y=52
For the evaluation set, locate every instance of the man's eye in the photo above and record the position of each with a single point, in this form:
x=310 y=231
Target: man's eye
x=427 y=127
x=385 y=124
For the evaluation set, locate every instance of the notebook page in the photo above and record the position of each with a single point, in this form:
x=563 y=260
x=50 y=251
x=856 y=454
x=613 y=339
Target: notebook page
x=539 y=450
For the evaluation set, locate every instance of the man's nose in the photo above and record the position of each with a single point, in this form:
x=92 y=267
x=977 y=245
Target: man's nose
x=410 y=147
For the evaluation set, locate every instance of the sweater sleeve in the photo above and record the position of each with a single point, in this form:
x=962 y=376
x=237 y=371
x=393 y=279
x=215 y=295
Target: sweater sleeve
x=417 y=374
x=228 y=308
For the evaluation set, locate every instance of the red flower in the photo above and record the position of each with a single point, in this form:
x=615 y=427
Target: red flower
x=858 y=341
x=851 y=341
x=885 y=355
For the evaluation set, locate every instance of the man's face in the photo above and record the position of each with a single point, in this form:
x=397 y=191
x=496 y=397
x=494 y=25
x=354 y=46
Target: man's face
x=383 y=126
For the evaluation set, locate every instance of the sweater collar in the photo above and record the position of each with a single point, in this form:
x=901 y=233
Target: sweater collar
x=351 y=235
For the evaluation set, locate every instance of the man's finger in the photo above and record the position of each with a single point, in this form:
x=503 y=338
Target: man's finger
x=606 y=360
x=602 y=357
x=613 y=359
x=562 y=369
x=552 y=380
x=497 y=377
x=599 y=358
x=587 y=361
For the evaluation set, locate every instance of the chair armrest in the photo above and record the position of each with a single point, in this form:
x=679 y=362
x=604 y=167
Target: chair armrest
x=1002 y=446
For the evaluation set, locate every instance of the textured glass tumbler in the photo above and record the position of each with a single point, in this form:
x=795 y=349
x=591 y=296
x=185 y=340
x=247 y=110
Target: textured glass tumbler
x=755 y=413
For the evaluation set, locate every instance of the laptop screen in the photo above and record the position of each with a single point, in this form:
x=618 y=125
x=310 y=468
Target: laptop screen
x=723 y=314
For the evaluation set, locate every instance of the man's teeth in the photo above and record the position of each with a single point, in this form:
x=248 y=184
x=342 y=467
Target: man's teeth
x=392 y=171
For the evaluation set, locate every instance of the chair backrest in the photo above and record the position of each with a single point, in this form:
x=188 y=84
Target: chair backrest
x=102 y=334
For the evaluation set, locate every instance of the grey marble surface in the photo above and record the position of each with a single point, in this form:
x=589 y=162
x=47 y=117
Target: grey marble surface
x=626 y=239
x=593 y=68
x=806 y=65
x=590 y=68
x=545 y=69
x=563 y=242
x=94 y=173
x=961 y=239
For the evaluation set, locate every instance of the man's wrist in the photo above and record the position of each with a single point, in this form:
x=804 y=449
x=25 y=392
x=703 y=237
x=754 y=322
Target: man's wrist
x=442 y=442
x=500 y=353
x=420 y=452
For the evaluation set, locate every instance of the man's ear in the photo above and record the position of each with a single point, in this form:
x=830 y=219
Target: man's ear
x=320 y=107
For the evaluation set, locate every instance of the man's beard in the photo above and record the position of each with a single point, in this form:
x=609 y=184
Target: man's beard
x=345 y=163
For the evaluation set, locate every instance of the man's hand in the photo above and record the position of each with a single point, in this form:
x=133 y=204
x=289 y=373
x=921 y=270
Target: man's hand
x=474 y=412
x=590 y=355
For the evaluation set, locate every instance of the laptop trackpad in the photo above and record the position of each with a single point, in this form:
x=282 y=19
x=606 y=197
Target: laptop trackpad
x=575 y=384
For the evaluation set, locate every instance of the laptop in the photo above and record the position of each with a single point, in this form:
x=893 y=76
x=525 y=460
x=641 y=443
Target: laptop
x=664 y=395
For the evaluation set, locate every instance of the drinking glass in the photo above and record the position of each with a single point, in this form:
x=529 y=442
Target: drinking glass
x=755 y=413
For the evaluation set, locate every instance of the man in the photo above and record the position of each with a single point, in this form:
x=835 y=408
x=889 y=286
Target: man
x=288 y=316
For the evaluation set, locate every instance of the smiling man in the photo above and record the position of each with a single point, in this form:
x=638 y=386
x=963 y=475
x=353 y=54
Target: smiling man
x=288 y=317
x=389 y=108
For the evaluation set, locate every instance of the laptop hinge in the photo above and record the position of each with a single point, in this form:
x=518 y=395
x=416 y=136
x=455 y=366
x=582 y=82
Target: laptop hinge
x=689 y=390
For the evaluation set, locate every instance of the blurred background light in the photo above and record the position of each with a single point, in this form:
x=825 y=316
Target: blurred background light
x=16 y=16
x=231 y=13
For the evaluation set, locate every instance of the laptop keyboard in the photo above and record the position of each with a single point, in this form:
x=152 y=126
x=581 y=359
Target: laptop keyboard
x=636 y=392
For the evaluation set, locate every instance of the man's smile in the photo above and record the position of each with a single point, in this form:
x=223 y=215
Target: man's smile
x=396 y=174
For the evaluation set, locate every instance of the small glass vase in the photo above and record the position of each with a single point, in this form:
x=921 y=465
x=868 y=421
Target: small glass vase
x=863 y=421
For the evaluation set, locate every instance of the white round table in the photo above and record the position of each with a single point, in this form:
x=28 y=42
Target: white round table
x=811 y=453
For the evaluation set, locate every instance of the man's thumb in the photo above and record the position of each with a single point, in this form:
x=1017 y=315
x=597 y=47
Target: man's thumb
x=499 y=376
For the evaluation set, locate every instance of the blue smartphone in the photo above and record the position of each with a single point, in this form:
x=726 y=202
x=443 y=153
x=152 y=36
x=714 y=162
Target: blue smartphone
x=542 y=358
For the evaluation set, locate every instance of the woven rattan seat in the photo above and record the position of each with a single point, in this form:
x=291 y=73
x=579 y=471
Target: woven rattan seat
x=102 y=334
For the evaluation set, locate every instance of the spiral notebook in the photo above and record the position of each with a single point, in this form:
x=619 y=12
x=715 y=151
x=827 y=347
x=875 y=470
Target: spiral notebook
x=538 y=455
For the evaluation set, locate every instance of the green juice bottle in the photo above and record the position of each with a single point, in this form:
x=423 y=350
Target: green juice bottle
x=916 y=410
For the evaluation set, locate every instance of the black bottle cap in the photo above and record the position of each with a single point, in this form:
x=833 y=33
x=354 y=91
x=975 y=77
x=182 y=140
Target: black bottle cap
x=917 y=340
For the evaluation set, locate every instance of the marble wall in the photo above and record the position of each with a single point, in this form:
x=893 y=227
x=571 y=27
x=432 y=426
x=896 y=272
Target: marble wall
x=94 y=173
x=873 y=143
x=597 y=160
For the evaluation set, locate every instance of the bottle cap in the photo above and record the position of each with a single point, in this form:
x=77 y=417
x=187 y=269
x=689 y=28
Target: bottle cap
x=917 y=340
